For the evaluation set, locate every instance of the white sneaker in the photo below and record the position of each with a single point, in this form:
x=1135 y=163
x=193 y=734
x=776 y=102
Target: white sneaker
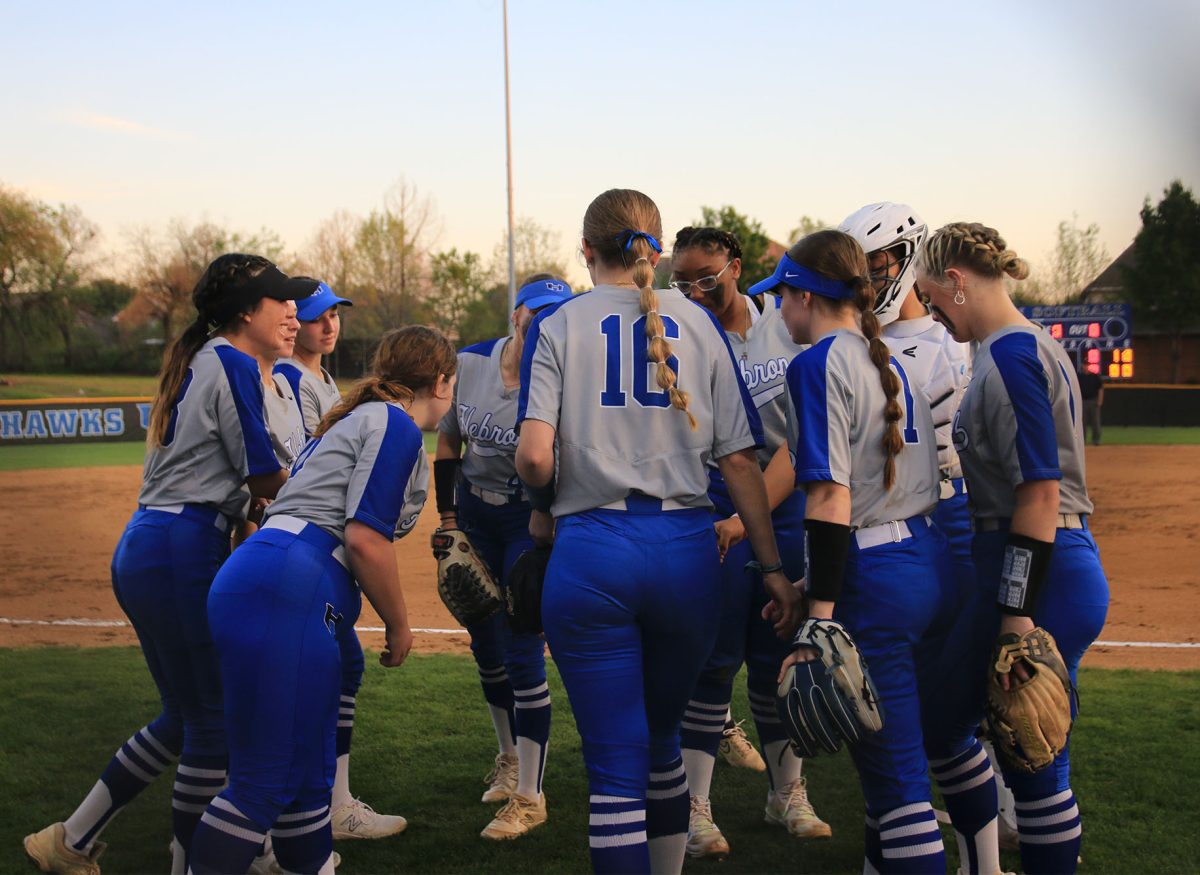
x=518 y=816
x=789 y=806
x=47 y=850
x=736 y=749
x=704 y=837
x=502 y=779
x=358 y=820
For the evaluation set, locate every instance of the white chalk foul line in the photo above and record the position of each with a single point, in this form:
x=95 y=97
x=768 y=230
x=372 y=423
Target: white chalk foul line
x=115 y=624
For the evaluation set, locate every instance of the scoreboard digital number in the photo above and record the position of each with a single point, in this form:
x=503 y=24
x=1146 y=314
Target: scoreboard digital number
x=1099 y=336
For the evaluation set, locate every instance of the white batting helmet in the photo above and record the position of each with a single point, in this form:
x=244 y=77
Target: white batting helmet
x=894 y=227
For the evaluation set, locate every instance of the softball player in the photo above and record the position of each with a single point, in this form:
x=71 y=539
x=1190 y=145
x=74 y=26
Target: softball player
x=492 y=510
x=940 y=367
x=209 y=452
x=276 y=605
x=705 y=265
x=1020 y=437
x=640 y=390
x=866 y=453
x=316 y=393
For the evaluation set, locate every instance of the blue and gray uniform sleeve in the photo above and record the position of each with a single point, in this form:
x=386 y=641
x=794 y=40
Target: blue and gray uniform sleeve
x=1019 y=416
x=541 y=375
x=823 y=410
x=241 y=418
x=375 y=494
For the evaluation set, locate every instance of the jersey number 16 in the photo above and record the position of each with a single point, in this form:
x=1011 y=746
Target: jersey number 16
x=616 y=355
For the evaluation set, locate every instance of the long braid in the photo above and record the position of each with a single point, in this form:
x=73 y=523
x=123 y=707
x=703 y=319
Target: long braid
x=658 y=348
x=893 y=441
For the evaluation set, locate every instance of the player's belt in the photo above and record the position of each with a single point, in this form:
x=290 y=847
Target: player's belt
x=996 y=524
x=892 y=532
x=496 y=499
x=201 y=513
x=310 y=533
x=949 y=487
x=635 y=502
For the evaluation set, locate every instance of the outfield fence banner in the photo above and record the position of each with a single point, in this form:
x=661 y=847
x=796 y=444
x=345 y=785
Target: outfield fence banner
x=73 y=420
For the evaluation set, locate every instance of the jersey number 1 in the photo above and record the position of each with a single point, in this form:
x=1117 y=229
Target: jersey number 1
x=614 y=360
x=910 y=427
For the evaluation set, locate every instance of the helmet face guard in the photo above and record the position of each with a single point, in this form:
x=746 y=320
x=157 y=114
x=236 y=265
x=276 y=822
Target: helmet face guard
x=890 y=291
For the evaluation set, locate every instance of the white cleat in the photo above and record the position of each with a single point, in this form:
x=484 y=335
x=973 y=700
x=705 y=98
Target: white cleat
x=789 y=806
x=358 y=820
x=704 y=837
x=502 y=779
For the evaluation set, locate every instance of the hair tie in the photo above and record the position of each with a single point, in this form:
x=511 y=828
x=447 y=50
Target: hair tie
x=625 y=240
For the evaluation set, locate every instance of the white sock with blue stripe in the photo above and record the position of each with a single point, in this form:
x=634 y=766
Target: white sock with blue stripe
x=532 y=708
x=1051 y=832
x=498 y=692
x=617 y=835
x=910 y=842
x=968 y=785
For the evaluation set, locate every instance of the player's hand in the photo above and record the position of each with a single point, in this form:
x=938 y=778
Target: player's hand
x=541 y=528
x=257 y=508
x=1018 y=626
x=729 y=532
x=800 y=654
x=399 y=642
x=785 y=610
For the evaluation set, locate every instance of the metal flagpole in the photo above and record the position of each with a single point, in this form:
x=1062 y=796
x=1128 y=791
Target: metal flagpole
x=512 y=268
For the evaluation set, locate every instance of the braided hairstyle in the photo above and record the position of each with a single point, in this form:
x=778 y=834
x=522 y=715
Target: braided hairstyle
x=971 y=245
x=838 y=256
x=407 y=360
x=605 y=224
x=709 y=239
x=215 y=310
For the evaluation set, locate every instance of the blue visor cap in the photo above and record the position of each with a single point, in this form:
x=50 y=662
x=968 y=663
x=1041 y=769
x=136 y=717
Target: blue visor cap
x=310 y=309
x=788 y=273
x=543 y=293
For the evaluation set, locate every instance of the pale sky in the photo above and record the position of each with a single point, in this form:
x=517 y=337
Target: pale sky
x=276 y=115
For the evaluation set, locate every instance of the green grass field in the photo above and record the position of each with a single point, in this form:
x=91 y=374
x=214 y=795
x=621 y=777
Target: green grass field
x=423 y=742
x=74 y=385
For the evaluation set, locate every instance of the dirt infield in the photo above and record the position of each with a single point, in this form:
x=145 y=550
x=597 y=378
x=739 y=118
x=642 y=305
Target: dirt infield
x=58 y=529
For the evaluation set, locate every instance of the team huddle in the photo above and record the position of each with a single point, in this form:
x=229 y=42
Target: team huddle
x=863 y=478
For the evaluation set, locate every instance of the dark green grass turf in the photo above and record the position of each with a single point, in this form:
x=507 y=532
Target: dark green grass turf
x=423 y=742
x=76 y=386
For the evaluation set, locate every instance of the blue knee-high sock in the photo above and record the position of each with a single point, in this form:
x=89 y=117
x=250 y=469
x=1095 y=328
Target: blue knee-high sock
x=197 y=781
x=968 y=785
x=303 y=840
x=617 y=835
x=345 y=722
x=1050 y=832
x=225 y=840
x=532 y=712
x=910 y=842
x=667 y=810
x=498 y=691
x=872 y=850
x=762 y=709
x=141 y=759
x=704 y=719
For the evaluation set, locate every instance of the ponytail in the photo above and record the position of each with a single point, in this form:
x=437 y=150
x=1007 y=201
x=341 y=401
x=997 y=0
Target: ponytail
x=170 y=378
x=657 y=346
x=893 y=441
x=370 y=388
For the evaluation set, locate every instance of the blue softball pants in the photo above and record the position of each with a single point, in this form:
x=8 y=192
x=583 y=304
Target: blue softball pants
x=500 y=534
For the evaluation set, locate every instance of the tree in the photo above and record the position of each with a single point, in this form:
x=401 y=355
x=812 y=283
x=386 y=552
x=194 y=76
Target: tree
x=536 y=249
x=459 y=281
x=807 y=226
x=756 y=263
x=1078 y=258
x=1164 y=281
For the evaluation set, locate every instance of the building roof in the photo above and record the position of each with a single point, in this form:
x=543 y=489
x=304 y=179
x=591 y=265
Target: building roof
x=1110 y=285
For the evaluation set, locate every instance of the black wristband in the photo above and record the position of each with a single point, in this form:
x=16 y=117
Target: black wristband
x=445 y=478
x=540 y=497
x=825 y=547
x=1025 y=562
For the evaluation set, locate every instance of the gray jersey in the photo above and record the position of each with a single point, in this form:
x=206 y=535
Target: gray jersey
x=284 y=421
x=484 y=414
x=315 y=395
x=1019 y=421
x=370 y=467
x=217 y=435
x=941 y=367
x=586 y=372
x=839 y=406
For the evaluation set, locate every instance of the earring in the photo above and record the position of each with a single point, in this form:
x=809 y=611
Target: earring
x=959 y=297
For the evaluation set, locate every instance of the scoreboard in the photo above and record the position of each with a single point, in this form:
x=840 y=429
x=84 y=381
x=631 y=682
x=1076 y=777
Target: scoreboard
x=1099 y=336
